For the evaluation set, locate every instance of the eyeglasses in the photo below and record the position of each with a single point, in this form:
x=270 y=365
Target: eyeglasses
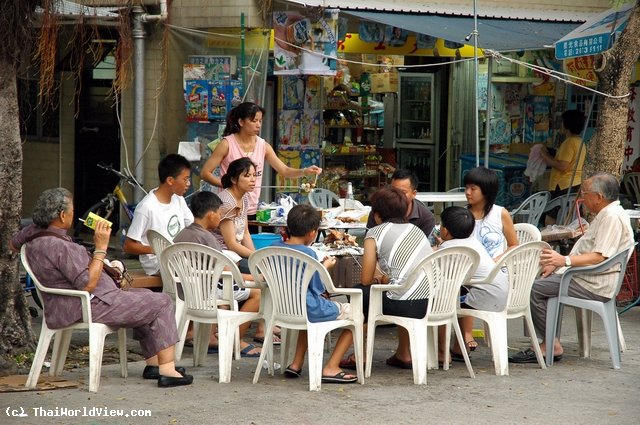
x=584 y=192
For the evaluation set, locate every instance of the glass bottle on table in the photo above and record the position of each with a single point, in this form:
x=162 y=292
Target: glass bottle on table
x=348 y=202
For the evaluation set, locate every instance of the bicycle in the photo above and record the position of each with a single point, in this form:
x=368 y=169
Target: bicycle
x=108 y=204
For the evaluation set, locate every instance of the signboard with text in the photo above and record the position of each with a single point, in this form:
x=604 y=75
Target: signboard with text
x=596 y=35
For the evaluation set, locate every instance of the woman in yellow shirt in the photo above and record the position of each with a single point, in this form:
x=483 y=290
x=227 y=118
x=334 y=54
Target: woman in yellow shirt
x=564 y=162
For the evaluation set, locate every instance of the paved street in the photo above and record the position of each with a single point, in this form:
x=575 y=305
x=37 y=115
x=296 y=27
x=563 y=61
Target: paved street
x=575 y=390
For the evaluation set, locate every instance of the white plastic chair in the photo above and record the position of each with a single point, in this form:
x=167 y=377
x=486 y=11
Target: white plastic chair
x=440 y=275
x=199 y=269
x=532 y=207
x=526 y=232
x=169 y=285
x=523 y=267
x=287 y=273
x=97 y=333
x=631 y=182
x=607 y=311
x=567 y=204
x=159 y=242
x=322 y=198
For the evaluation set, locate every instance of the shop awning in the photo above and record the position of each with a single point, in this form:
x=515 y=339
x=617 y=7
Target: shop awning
x=504 y=35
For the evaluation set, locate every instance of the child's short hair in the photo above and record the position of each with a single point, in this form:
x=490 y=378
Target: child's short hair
x=302 y=219
x=171 y=166
x=203 y=202
x=459 y=221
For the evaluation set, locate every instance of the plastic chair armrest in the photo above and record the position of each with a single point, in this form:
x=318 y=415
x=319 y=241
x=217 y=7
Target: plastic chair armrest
x=227 y=285
x=600 y=267
x=383 y=288
x=85 y=299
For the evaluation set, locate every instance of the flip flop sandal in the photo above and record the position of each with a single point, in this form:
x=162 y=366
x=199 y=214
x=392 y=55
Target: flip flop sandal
x=348 y=363
x=456 y=357
x=260 y=339
x=247 y=351
x=290 y=372
x=471 y=345
x=396 y=362
x=339 y=378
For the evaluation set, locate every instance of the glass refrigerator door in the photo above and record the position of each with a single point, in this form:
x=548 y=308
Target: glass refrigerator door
x=416 y=108
x=421 y=161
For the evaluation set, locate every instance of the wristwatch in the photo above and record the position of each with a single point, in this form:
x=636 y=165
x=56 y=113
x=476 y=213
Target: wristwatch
x=567 y=261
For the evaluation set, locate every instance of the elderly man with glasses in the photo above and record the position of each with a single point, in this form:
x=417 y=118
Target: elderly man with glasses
x=609 y=233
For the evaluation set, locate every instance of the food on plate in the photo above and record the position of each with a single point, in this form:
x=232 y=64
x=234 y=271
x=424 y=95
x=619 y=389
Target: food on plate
x=345 y=219
x=337 y=239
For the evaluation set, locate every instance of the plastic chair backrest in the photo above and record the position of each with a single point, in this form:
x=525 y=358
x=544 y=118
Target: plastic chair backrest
x=532 y=207
x=199 y=269
x=322 y=198
x=439 y=276
x=526 y=232
x=288 y=273
x=631 y=182
x=40 y=289
x=159 y=242
x=567 y=212
x=523 y=267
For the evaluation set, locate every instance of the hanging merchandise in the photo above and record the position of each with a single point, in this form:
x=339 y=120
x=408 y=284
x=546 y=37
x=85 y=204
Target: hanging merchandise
x=305 y=44
x=395 y=36
x=289 y=128
x=537 y=119
x=293 y=92
x=424 y=41
x=371 y=32
x=197 y=100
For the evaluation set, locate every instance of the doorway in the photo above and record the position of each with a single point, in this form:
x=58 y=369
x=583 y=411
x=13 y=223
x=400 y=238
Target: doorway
x=97 y=138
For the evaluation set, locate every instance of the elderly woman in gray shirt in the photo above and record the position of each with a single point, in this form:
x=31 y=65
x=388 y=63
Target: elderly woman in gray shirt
x=58 y=262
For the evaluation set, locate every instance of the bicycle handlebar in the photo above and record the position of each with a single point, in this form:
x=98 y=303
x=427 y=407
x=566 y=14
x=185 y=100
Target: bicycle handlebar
x=129 y=179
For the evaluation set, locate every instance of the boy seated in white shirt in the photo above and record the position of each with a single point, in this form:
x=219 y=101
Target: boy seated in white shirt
x=456 y=229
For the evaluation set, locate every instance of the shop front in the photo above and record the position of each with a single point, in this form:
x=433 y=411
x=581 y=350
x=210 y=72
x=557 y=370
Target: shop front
x=400 y=93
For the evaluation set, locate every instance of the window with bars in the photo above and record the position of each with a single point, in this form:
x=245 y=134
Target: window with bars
x=582 y=100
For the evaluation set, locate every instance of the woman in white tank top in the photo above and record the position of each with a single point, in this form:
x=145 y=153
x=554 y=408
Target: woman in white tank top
x=241 y=139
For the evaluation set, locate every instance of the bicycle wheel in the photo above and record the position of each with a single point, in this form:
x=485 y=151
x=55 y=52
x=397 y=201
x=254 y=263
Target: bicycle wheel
x=103 y=208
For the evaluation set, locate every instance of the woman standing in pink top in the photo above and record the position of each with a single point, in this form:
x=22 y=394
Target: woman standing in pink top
x=241 y=139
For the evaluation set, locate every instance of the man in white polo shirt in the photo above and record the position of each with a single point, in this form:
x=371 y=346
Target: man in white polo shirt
x=608 y=234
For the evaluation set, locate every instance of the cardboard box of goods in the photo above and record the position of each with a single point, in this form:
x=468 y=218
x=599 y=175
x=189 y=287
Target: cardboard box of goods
x=384 y=83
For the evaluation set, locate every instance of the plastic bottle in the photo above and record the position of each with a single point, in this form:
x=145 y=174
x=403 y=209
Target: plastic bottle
x=348 y=202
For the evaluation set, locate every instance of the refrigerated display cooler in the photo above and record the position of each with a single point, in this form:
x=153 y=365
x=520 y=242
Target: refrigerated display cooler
x=417 y=129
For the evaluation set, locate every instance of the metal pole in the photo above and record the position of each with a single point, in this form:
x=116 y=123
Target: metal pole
x=138 y=97
x=475 y=102
x=242 y=47
x=488 y=114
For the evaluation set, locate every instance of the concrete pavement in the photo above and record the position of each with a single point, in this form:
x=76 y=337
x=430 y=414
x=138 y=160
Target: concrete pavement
x=574 y=390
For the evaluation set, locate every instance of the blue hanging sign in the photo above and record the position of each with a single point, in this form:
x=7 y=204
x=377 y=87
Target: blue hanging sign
x=596 y=35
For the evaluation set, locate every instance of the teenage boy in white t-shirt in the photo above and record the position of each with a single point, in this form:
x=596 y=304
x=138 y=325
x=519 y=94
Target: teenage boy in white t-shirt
x=163 y=210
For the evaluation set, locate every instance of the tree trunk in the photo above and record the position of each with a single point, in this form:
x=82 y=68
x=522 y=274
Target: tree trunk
x=16 y=335
x=606 y=148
